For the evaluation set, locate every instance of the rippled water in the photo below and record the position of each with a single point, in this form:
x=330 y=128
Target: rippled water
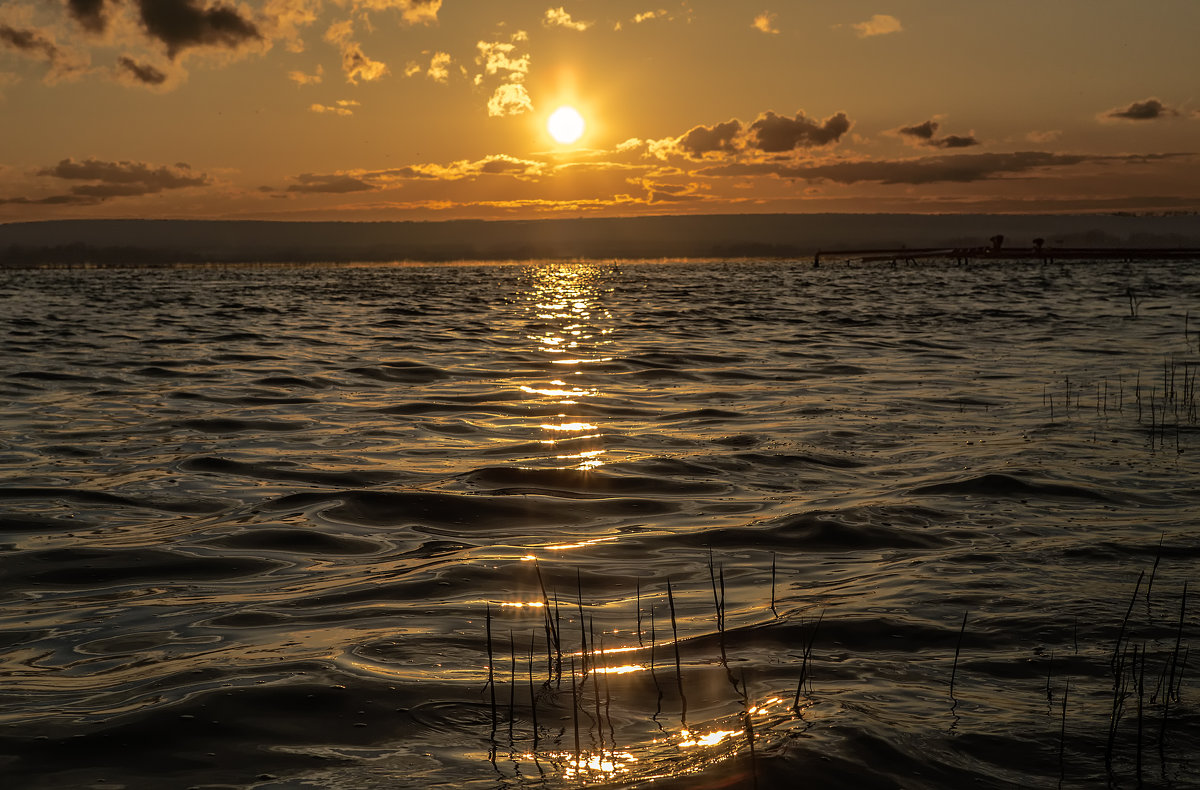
x=263 y=526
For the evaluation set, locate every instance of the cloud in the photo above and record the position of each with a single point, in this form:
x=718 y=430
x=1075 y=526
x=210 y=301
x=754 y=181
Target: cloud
x=439 y=67
x=336 y=184
x=340 y=107
x=952 y=168
x=1148 y=110
x=183 y=24
x=765 y=22
x=355 y=63
x=956 y=141
x=769 y=133
x=285 y=18
x=701 y=140
x=922 y=131
x=509 y=99
x=661 y=192
x=877 y=25
x=371 y=180
x=140 y=73
x=497 y=57
x=924 y=134
x=646 y=16
x=1047 y=136
x=558 y=17
x=52 y=200
x=40 y=45
x=500 y=59
x=420 y=11
x=412 y=12
x=492 y=165
x=89 y=14
x=30 y=42
x=300 y=78
x=123 y=179
x=772 y=133
x=503 y=164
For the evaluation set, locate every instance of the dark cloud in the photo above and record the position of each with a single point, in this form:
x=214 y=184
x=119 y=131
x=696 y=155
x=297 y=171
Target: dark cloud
x=407 y=172
x=141 y=72
x=701 y=140
x=123 y=179
x=335 y=184
x=504 y=165
x=30 y=42
x=659 y=196
x=105 y=191
x=924 y=134
x=181 y=24
x=670 y=193
x=922 y=131
x=774 y=133
x=53 y=200
x=1147 y=110
x=956 y=141
x=955 y=168
x=89 y=14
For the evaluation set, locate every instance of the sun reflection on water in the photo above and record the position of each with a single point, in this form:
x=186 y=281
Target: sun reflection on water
x=693 y=740
x=597 y=766
x=569 y=323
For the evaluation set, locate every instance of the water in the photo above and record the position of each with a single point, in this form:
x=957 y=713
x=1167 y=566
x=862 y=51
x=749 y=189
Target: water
x=257 y=523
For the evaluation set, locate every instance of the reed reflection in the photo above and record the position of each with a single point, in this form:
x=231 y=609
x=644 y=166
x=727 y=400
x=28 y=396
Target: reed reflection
x=570 y=327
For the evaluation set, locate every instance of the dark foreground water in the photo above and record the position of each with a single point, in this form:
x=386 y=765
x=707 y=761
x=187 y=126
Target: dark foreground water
x=257 y=524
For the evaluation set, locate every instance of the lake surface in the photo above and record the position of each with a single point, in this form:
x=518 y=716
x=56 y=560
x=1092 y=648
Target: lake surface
x=713 y=524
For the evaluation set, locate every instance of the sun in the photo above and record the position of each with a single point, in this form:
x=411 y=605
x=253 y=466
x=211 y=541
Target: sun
x=565 y=125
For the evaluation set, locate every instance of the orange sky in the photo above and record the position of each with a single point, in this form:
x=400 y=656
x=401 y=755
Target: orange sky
x=436 y=109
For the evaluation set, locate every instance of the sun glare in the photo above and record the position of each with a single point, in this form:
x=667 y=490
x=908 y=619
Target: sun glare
x=565 y=125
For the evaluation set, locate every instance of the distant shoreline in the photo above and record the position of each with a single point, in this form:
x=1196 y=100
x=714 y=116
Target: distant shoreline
x=766 y=236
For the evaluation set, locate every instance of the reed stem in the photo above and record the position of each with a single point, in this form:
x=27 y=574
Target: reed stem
x=678 y=662
x=957 y=648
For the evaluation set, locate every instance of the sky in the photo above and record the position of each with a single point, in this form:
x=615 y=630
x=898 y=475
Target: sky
x=437 y=109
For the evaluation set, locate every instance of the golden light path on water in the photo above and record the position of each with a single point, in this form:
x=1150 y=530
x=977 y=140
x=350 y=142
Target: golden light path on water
x=568 y=316
x=571 y=328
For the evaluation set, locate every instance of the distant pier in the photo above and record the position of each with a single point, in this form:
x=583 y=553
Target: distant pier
x=968 y=254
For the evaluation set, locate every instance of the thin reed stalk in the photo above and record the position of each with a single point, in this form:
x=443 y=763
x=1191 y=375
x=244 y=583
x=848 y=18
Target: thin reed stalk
x=807 y=657
x=1062 y=732
x=491 y=681
x=712 y=576
x=1141 y=698
x=1154 y=569
x=512 y=687
x=957 y=648
x=1120 y=691
x=533 y=694
x=1049 y=673
x=748 y=713
x=575 y=711
x=678 y=662
x=653 y=673
x=774 y=611
x=639 y=612
x=1170 y=682
x=1125 y=621
x=583 y=648
x=596 y=688
x=721 y=625
x=551 y=625
x=612 y=736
